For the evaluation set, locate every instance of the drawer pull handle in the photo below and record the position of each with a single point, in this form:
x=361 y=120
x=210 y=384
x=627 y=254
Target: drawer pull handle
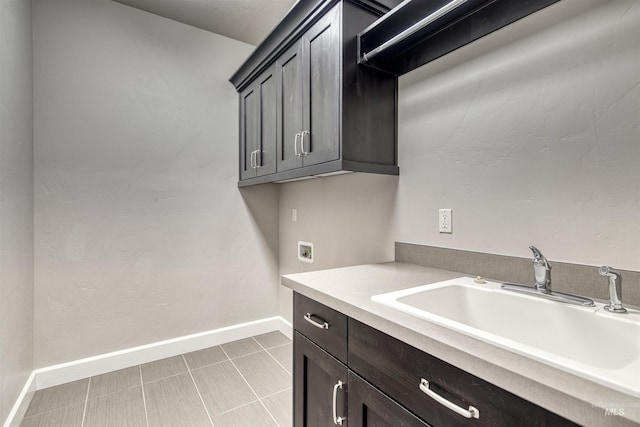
x=323 y=325
x=472 y=412
x=336 y=419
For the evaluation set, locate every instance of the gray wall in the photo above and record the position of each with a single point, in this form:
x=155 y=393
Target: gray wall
x=531 y=135
x=16 y=201
x=141 y=232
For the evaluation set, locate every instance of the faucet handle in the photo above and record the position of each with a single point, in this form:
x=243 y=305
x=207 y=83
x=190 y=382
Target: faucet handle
x=539 y=258
x=615 y=290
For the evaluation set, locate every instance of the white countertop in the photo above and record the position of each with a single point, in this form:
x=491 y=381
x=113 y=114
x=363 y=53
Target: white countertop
x=349 y=290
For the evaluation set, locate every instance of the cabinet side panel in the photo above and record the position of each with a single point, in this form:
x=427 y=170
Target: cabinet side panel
x=369 y=101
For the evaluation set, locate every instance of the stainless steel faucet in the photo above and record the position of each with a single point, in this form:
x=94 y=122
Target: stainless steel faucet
x=541 y=270
x=615 y=290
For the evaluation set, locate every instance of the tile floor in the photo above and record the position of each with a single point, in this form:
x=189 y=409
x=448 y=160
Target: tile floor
x=245 y=383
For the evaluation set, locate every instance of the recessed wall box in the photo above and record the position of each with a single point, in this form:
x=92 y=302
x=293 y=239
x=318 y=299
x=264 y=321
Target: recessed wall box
x=305 y=251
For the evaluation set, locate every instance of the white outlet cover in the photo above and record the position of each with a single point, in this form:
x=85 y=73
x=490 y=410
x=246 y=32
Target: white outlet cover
x=445 y=221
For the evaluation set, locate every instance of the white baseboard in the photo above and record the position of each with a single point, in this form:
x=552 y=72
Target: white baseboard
x=286 y=328
x=96 y=365
x=22 y=403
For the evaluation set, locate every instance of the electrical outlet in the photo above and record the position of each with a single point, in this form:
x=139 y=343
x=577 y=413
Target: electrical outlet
x=294 y=215
x=445 y=223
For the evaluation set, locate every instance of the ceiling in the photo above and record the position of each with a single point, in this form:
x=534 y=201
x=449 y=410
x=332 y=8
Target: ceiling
x=249 y=21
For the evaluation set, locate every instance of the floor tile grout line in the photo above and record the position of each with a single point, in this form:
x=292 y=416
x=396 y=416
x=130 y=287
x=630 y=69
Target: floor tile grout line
x=258 y=342
x=86 y=402
x=269 y=412
x=144 y=399
x=243 y=355
x=166 y=378
x=252 y=390
x=278 y=346
x=198 y=391
x=237 y=407
x=206 y=366
x=274 y=358
x=275 y=346
x=112 y=392
x=190 y=369
x=277 y=392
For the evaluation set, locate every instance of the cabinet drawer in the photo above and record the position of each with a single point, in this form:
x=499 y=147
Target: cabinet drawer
x=322 y=325
x=397 y=369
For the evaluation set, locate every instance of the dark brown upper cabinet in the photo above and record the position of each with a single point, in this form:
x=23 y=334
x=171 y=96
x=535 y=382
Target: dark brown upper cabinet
x=302 y=92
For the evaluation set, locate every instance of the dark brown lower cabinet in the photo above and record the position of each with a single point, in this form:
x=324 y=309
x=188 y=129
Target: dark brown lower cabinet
x=320 y=382
x=388 y=383
x=368 y=407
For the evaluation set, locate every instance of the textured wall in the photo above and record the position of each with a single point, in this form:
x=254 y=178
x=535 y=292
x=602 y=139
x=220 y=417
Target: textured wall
x=531 y=135
x=141 y=231
x=346 y=218
x=16 y=201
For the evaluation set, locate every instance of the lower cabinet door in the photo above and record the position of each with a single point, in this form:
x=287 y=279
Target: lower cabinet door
x=369 y=407
x=320 y=386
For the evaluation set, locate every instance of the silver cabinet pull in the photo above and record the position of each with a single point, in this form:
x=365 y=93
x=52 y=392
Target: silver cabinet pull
x=258 y=164
x=252 y=160
x=305 y=132
x=472 y=412
x=295 y=145
x=323 y=325
x=336 y=419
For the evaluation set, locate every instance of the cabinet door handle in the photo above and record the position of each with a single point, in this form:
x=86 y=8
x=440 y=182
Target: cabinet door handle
x=258 y=164
x=323 y=325
x=252 y=160
x=472 y=412
x=336 y=419
x=295 y=145
x=305 y=132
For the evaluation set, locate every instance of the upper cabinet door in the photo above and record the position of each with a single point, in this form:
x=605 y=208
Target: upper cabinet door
x=321 y=49
x=258 y=126
x=289 y=74
x=267 y=135
x=249 y=130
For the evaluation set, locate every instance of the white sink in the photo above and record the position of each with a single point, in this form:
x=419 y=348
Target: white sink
x=587 y=341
